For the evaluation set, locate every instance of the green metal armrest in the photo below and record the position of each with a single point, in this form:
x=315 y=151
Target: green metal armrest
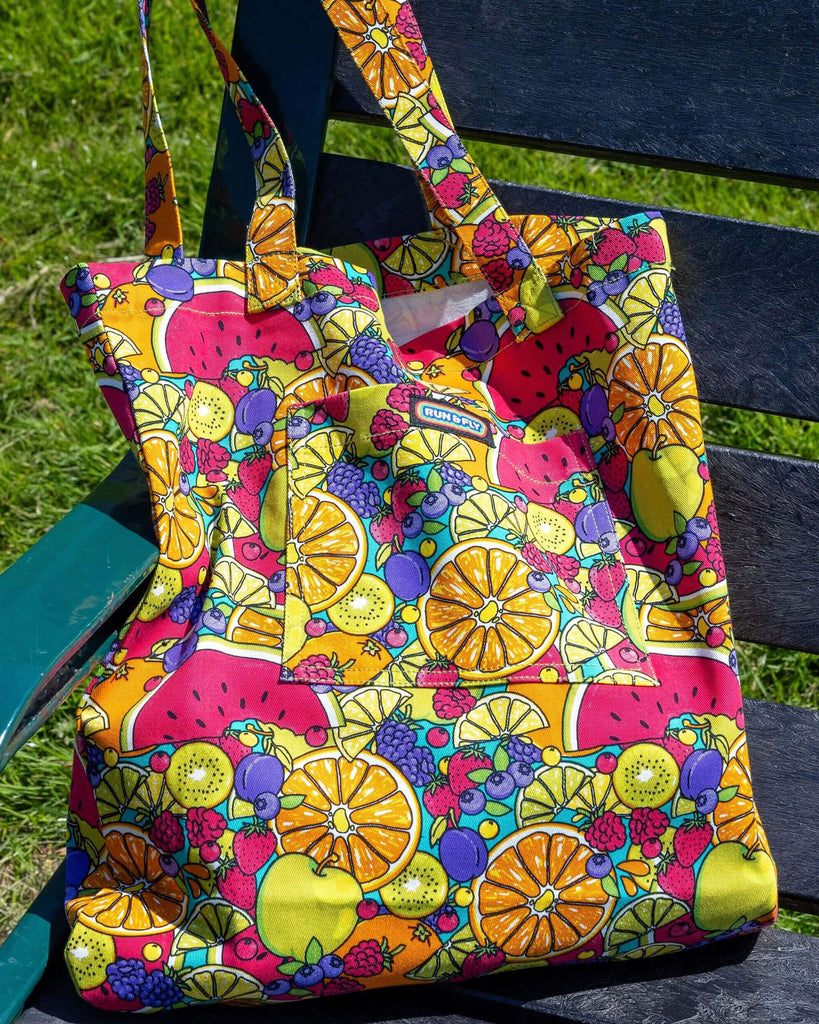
x=25 y=954
x=66 y=596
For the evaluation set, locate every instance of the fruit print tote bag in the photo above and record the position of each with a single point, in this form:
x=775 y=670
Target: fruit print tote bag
x=434 y=676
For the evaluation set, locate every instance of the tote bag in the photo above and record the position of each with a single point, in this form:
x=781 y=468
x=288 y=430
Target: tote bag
x=435 y=674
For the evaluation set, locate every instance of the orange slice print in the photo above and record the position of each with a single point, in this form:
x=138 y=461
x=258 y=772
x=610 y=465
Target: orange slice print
x=655 y=385
x=736 y=820
x=481 y=614
x=667 y=626
x=362 y=811
x=387 y=68
x=326 y=550
x=536 y=898
x=179 y=529
x=135 y=896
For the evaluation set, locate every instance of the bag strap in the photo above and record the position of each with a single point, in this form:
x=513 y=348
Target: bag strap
x=386 y=43
x=271 y=252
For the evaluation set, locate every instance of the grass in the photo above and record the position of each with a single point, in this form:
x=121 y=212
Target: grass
x=70 y=169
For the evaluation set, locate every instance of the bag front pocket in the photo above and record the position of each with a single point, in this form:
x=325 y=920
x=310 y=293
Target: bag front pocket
x=428 y=546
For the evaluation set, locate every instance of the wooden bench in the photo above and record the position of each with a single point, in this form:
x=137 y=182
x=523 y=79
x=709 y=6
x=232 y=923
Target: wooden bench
x=727 y=89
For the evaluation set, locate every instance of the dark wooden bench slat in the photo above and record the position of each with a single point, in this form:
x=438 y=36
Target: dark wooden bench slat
x=727 y=88
x=761 y=979
x=767 y=506
x=785 y=772
x=754 y=336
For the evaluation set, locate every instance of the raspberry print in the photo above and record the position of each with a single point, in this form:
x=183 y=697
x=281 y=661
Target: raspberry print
x=319 y=669
x=714 y=552
x=647 y=823
x=212 y=457
x=418 y=53
x=166 y=833
x=387 y=429
x=154 y=194
x=400 y=396
x=126 y=977
x=187 y=460
x=364 y=960
x=492 y=238
x=204 y=825
x=499 y=274
x=452 y=703
x=606 y=833
x=150 y=230
x=407 y=23
x=340 y=986
x=535 y=557
x=711 y=516
x=566 y=567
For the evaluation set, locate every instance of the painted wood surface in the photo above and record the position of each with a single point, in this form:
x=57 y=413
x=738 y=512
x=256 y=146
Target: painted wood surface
x=726 y=87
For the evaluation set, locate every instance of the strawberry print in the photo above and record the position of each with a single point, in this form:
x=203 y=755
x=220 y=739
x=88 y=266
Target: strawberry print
x=691 y=840
x=607 y=578
x=246 y=501
x=614 y=469
x=254 y=471
x=677 y=880
x=441 y=800
x=455 y=190
x=603 y=610
x=610 y=245
x=253 y=846
x=648 y=245
x=236 y=887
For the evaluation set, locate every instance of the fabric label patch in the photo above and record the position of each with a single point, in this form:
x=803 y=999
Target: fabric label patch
x=427 y=413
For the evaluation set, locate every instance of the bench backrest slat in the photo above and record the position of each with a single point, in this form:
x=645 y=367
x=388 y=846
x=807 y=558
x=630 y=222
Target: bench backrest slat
x=728 y=88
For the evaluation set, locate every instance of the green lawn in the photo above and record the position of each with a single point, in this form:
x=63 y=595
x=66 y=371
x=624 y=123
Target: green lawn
x=70 y=167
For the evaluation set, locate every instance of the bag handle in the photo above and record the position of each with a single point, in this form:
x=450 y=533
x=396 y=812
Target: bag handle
x=385 y=41
x=271 y=252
